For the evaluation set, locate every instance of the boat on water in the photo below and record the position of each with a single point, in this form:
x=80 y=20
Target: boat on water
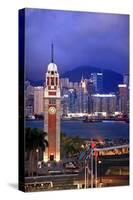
x=91 y=120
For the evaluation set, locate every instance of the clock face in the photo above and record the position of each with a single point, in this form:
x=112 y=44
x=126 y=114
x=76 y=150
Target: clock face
x=52 y=110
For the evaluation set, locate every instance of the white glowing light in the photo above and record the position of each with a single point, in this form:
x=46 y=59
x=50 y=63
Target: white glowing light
x=99 y=74
x=122 y=85
x=103 y=95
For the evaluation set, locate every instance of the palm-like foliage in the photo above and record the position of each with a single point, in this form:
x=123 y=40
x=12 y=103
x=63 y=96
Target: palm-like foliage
x=71 y=146
x=34 y=140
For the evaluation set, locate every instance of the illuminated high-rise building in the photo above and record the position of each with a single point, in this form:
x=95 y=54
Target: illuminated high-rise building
x=38 y=100
x=71 y=100
x=123 y=99
x=29 y=99
x=82 y=97
x=91 y=90
x=104 y=103
x=97 y=79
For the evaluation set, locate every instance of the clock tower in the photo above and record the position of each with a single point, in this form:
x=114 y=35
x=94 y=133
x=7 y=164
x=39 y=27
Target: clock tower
x=52 y=111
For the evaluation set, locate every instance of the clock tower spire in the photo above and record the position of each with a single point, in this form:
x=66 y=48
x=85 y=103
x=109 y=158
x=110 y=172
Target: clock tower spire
x=52 y=53
x=52 y=110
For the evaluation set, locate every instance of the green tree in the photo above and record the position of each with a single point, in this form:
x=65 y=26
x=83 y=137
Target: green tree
x=35 y=142
x=71 y=146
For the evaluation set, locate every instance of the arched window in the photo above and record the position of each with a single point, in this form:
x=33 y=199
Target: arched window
x=52 y=81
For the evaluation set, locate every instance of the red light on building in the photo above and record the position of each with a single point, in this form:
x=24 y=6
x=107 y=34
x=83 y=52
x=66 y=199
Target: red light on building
x=95 y=154
x=93 y=145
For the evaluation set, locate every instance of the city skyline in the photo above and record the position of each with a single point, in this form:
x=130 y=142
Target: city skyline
x=83 y=97
x=104 y=46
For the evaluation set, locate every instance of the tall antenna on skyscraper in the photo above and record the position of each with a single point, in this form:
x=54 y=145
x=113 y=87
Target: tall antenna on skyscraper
x=82 y=77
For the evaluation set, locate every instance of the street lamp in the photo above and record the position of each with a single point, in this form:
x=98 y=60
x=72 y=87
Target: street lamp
x=86 y=174
x=37 y=150
x=92 y=168
x=95 y=169
x=100 y=163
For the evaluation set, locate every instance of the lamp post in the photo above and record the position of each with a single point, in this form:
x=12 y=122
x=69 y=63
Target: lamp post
x=87 y=177
x=85 y=173
x=100 y=163
x=96 y=169
x=37 y=150
x=92 y=168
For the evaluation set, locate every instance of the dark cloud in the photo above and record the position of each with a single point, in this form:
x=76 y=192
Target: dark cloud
x=80 y=38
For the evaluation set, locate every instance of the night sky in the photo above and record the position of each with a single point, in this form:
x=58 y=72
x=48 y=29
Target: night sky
x=80 y=38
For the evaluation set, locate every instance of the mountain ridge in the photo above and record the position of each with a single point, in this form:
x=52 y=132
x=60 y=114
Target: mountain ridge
x=111 y=79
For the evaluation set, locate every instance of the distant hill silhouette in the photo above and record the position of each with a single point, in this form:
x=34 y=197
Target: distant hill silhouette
x=111 y=79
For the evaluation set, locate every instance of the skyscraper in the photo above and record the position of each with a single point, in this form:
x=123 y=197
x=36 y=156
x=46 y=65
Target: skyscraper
x=29 y=99
x=52 y=111
x=64 y=83
x=82 y=97
x=65 y=104
x=91 y=90
x=126 y=79
x=71 y=100
x=38 y=100
x=97 y=79
x=76 y=85
x=104 y=103
x=123 y=98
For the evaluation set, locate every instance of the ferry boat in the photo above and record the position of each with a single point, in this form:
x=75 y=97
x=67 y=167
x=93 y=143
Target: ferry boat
x=91 y=120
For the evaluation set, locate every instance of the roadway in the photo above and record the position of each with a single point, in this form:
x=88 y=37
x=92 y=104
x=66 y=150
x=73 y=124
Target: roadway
x=66 y=181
